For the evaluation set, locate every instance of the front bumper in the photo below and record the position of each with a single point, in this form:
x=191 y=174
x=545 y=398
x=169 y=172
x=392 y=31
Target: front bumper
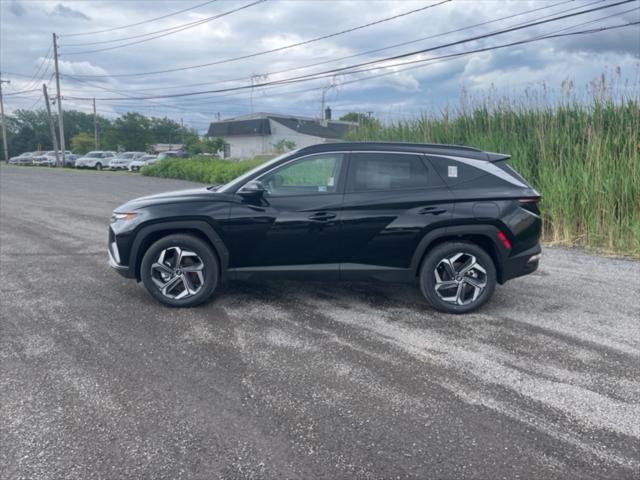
x=114 y=260
x=521 y=264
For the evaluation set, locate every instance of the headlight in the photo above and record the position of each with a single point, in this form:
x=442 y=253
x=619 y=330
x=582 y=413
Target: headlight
x=123 y=216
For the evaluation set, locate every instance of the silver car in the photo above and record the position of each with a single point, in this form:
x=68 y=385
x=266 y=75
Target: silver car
x=25 y=158
x=143 y=161
x=122 y=160
x=97 y=159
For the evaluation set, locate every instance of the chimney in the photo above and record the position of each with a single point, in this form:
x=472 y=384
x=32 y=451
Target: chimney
x=327 y=113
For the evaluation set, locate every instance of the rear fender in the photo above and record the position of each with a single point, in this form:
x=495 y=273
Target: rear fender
x=488 y=233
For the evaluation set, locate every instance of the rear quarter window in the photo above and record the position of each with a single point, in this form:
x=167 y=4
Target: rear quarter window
x=386 y=171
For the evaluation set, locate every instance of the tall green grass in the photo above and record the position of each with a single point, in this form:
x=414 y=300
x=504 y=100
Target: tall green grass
x=583 y=158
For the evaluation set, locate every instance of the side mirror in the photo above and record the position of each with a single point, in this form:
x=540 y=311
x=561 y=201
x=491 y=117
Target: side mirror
x=253 y=190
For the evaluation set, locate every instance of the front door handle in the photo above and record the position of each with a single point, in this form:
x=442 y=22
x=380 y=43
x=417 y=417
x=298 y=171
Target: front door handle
x=431 y=211
x=322 y=216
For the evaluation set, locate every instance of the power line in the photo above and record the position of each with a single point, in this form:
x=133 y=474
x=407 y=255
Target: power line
x=21 y=92
x=171 y=31
x=388 y=47
x=345 y=70
x=457 y=55
x=139 y=23
x=273 y=50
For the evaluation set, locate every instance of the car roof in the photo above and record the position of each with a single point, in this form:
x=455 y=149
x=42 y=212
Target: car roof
x=427 y=148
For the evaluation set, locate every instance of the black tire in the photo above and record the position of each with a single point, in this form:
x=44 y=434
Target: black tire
x=98 y=166
x=446 y=250
x=211 y=270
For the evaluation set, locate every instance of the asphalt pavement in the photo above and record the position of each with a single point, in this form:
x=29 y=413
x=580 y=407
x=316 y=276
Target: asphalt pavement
x=278 y=380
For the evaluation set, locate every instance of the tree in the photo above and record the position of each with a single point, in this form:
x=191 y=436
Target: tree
x=283 y=145
x=165 y=130
x=131 y=132
x=362 y=119
x=82 y=142
x=195 y=145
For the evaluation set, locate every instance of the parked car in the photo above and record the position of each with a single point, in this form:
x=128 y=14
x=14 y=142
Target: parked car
x=97 y=159
x=39 y=160
x=48 y=158
x=456 y=220
x=23 y=159
x=173 y=154
x=143 y=161
x=122 y=160
x=69 y=160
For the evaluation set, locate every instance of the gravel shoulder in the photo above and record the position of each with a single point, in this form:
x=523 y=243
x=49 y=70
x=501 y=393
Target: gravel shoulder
x=296 y=380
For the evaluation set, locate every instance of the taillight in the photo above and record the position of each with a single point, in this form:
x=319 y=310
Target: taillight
x=504 y=240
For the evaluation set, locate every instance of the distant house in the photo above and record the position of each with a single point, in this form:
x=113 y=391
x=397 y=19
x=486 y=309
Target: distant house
x=257 y=134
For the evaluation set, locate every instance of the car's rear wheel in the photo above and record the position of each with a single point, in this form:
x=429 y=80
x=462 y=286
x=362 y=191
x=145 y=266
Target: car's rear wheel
x=98 y=166
x=457 y=277
x=180 y=270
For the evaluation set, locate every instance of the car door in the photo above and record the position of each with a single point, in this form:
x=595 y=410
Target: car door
x=391 y=201
x=295 y=225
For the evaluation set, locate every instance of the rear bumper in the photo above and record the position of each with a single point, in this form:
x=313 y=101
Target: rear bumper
x=521 y=264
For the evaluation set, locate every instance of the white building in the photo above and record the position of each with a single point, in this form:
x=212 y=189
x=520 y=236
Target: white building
x=257 y=134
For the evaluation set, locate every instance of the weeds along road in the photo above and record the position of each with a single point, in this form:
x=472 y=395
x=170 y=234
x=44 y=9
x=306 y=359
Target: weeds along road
x=293 y=380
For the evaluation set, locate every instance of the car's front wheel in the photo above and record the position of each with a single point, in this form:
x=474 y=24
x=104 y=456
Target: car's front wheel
x=457 y=277
x=180 y=270
x=98 y=166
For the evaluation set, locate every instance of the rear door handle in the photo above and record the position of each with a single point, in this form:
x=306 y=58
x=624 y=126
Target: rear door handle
x=322 y=216
x=431 y=211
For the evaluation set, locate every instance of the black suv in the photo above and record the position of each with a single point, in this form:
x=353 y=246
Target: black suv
x=456 y=220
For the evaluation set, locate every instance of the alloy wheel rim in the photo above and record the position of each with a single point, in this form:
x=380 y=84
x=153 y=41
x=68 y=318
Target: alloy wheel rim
x=460 y=279
x=178 y=273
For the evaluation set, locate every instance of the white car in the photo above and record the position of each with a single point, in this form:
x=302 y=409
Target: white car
x=143 y=161
x=48 y=159
x=122 y=160
x=97 y=159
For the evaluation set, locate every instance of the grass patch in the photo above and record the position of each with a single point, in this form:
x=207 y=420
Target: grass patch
x=200 y=169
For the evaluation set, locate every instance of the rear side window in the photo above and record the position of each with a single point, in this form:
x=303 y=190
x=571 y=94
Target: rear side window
x=386 y=171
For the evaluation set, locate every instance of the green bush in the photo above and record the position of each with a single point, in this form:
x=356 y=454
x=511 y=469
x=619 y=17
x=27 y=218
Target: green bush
x=200 y=169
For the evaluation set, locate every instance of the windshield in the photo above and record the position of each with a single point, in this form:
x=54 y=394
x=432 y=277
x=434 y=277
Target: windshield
x=233 y=184
x=126 y=155
x=94 y=154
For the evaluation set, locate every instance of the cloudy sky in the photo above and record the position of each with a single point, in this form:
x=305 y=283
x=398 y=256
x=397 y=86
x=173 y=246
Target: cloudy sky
x=99 y=59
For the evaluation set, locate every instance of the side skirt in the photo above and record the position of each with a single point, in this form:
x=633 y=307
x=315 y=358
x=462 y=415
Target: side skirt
x=325 y=272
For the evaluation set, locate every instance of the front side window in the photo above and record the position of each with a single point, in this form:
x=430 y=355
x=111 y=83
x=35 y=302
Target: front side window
x=312 y=175
x=386 y=171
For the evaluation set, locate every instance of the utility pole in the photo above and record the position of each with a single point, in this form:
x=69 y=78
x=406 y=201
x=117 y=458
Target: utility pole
x=54 y=138
x=59 y=97
x=4 y=127
x=182 y=131
x=95 y=124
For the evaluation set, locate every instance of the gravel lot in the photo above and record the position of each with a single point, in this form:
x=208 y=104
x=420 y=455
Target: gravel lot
x=293 y=380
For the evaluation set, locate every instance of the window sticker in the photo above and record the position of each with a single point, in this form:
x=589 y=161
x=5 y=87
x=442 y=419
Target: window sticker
x=322 y=188
x=452 y=171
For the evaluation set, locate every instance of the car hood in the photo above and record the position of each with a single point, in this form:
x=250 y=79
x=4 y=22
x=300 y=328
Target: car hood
x=191 y=195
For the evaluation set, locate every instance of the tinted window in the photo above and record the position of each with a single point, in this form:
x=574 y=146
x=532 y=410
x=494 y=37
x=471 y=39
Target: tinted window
x=386 y=171
x=307 y=176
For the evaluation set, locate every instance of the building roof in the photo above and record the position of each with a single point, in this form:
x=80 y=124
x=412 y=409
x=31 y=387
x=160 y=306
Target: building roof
x=258 y=124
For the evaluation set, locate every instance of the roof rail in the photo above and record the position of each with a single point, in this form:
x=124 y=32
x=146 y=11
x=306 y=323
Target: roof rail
x=443 y=146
